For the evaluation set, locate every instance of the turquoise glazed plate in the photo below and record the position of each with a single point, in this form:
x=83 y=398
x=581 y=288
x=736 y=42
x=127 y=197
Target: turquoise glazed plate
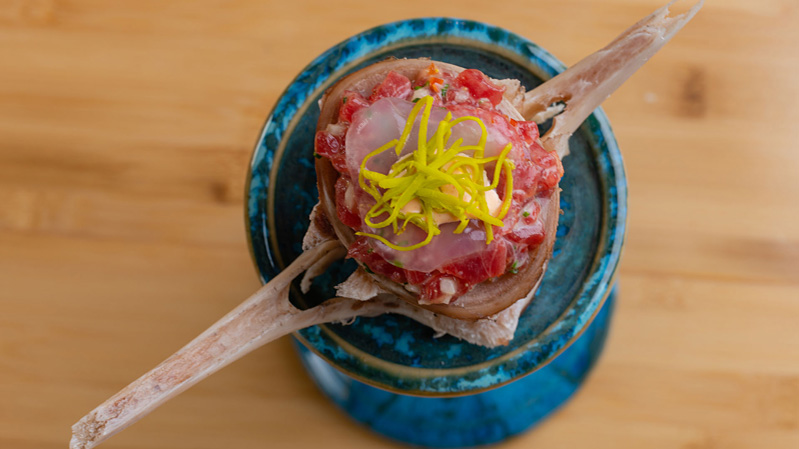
x=390 y=372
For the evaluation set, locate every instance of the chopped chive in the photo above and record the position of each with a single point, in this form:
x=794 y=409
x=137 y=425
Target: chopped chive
x=526 y=214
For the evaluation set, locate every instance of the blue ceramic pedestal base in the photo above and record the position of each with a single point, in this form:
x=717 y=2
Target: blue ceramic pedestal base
x=472 y=420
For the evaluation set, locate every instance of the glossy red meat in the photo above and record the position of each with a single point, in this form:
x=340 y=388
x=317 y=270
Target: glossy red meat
x=481 y=266
x=479 y=86
x=429 y=285
x=395 y=86
x=346 y=215
x=528 y=230
x=351 y=103
x=550 y=168
x=362 y=251
x=331 y=147
x=528 y=130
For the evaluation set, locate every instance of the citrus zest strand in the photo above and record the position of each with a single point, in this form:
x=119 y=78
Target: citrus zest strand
x=420 y=176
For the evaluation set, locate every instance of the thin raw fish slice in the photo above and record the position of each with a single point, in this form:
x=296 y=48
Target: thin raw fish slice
x=268 y=314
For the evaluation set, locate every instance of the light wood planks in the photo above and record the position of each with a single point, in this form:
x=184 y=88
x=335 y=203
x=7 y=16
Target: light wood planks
x=125 y=135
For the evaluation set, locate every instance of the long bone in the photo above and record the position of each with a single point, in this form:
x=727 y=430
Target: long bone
x=585 y=85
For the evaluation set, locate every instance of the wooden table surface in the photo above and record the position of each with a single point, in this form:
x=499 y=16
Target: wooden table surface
x=125 y=134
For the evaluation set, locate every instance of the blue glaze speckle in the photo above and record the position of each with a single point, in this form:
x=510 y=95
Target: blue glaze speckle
x=590 y=233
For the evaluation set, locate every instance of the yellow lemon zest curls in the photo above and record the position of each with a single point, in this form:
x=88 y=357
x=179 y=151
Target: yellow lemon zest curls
x=421 y=175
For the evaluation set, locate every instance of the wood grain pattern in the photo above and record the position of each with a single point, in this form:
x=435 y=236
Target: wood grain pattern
x=125 y=134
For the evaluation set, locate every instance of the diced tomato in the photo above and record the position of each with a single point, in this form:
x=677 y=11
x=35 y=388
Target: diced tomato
x=351 y=102
x=479 y=86
x=345 y=214
x=331 y=147
x=394 y=86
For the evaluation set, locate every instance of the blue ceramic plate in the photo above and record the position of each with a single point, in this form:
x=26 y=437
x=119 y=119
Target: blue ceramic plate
x=394 y=352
